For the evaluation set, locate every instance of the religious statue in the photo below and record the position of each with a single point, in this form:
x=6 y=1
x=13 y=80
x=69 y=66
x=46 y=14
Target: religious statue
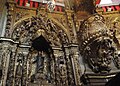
x=19 y=73
x=41 y=67
x=39 y=60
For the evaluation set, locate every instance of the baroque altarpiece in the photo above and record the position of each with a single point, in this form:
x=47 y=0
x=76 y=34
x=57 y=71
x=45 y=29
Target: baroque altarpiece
x=62 y=43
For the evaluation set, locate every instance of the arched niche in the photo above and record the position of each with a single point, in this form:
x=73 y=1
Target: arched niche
x=42 y=36
x=41 y=61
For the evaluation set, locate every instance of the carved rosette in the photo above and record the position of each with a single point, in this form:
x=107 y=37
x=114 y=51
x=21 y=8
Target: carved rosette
x=98 y=44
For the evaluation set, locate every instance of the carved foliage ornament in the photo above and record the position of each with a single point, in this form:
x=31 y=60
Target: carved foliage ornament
x=33 y=27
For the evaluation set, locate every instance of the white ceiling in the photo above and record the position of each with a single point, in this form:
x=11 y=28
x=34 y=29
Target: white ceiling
x=106 y=2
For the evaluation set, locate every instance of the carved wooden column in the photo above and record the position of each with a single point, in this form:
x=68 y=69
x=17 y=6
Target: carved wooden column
x=25 y=50
x=20 y=69
x=56 y=75
x=10 y=17
x=6 y=56
x=10 y=76
x=60 y=68
x=75 y=63
x=71 y=25
x=70 y=68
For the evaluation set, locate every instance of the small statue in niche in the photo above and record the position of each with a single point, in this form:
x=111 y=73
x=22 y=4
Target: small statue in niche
x=63 y=74
x=20 y=64
x=62 y=71
x=41 y=66
x=19 y=68
x=37 y=65
x=39 y=60
x=19 y=71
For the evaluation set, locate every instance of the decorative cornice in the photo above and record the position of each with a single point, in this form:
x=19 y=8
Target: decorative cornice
x=8 y=40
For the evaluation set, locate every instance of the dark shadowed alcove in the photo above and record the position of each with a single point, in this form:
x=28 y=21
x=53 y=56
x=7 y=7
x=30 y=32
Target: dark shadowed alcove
x=42 y=61
x=41 y=44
